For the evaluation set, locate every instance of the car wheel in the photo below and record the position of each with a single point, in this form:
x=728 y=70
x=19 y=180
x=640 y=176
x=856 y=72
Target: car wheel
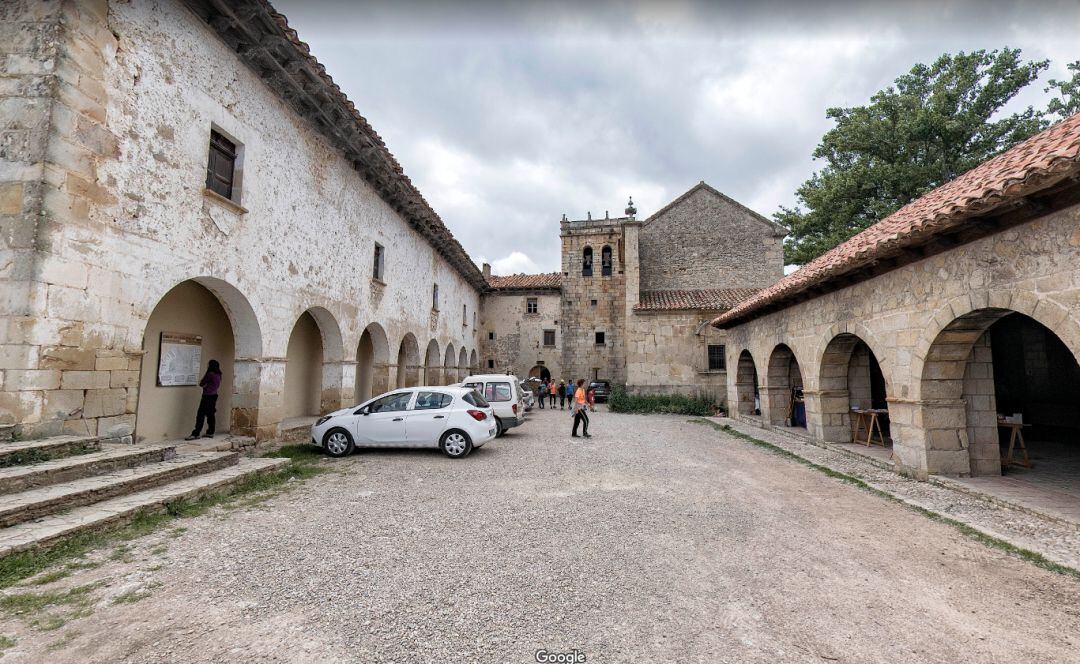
x=455 y=444
x=499 y=430
x=338 y=443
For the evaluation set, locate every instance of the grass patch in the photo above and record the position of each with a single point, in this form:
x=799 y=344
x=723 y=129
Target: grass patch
x=50 y=610
x=159 y=550
x=670 y=404
x=63 y=641
x=5 y=643
x=132 y=596
x=305 y=462
x=31 y=456
x=1033 y=557
x=49 y=577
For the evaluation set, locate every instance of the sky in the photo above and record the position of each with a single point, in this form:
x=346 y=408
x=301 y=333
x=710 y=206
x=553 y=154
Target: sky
x=508 y=115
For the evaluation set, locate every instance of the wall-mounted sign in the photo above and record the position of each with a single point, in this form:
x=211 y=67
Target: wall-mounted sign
x=179 y=359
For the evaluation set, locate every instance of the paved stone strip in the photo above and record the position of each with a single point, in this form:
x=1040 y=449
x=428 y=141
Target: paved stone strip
x=66 y=469
x=119 y=510
x=1059 y=542
x=20 y=507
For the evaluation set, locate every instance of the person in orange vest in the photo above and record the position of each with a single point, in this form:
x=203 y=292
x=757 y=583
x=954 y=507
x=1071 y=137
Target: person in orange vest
x=579 y=407
x=552 y=389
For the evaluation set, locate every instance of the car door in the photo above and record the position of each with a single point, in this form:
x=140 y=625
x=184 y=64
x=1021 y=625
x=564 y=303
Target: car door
x=382 y=422
x=427 y=419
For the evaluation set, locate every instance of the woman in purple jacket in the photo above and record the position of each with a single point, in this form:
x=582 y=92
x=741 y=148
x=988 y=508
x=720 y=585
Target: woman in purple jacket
x=210 y=383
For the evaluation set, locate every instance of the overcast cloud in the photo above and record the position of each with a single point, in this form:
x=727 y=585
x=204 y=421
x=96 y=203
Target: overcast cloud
x=507 y=115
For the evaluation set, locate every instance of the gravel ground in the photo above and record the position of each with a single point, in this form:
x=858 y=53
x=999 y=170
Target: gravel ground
x=656 y=540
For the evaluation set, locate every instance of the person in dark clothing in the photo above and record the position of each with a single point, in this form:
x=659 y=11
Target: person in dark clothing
x=210 y=383
x=541 y=392
x=580 y=408
x=562 y=394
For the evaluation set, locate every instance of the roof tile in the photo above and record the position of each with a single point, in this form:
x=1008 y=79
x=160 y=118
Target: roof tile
x=526 y=281
x=712 y=299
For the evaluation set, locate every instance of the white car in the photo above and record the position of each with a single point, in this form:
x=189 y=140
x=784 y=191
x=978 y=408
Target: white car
x=505 y=396
x=453 y=419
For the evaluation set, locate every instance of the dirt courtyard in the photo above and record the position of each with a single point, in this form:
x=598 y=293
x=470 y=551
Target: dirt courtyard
x=655 y=540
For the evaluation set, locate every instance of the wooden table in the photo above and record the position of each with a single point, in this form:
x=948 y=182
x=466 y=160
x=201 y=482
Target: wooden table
x=1015 y=434
x=868 y=420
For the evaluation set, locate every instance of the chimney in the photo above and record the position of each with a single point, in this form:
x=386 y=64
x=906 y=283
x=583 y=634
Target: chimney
x=487 y=271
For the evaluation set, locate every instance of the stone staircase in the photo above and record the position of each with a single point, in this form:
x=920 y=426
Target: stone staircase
x=56 y=487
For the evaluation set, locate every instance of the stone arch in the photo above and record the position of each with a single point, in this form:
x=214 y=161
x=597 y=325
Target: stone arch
x=372 y=358
x=746 y=385
x=607 y=261
x=432 y=364
x=849 y=374
x=586 y=261
x=305 y=356
x=450 y=373
x=541 y=372
x=783 y=388
x=474 y=362
x=217 y=315
x=962 y=387
x=408 y=362
x=463 y=361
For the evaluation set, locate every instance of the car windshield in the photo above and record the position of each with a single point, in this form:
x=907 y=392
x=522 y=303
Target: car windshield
x=473 y=398
x=497 y=392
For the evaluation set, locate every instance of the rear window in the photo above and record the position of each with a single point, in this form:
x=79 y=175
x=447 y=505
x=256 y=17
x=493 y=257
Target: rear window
x=474 y=399
x=432 y=400
x=498 y=392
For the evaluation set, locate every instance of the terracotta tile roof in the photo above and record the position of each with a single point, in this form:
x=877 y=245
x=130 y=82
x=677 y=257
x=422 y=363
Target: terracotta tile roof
x=526 y=281
x=713 y=299
x=1035 y=164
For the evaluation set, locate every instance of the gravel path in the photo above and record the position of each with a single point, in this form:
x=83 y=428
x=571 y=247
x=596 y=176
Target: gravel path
x=656 y=540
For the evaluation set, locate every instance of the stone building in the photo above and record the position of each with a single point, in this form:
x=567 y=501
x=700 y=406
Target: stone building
x=184 y=176
x=962 y=306
x=519 y=325
x=637 y=296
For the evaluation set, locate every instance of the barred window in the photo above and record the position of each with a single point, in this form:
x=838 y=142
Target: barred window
x=717 y=360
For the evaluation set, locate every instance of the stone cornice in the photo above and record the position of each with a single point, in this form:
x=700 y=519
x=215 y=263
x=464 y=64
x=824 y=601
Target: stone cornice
x=263 y=40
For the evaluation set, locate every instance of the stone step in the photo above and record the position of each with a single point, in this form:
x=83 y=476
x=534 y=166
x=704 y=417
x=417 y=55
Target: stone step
x=19 y=507
x=117 y=511
x=110 y=458
x=33 y=451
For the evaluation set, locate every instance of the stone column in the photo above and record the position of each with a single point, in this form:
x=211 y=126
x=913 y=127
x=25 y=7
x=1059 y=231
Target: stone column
x=775 y=404
x=258 y=391
x=382 y=378
x=334 y=386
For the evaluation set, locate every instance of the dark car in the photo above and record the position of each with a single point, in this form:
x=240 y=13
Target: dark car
x=602 y=388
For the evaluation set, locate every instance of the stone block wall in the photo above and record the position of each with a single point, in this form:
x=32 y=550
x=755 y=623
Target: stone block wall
x=518 y=345
x=667 y=353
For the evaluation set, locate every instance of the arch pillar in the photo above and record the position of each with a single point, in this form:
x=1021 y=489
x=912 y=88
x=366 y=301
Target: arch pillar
x=382 y=378
x=337 y=381
x=258 y=397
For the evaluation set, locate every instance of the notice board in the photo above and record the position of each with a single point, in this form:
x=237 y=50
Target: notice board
x=179 y=359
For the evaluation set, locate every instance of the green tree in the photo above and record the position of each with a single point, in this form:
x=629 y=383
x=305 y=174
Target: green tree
x=931 y=126
x=1068 y=100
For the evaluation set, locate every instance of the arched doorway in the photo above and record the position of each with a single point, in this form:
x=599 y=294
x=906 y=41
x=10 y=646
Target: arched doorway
x=993 y=362
x=746 y=385
x=432 y=364
x=450 y=374
x=851 y=378
x=215 y=316
x=784 y=389
x=541 y=372
x=474 y=363
x=408 y=362
x=372 y=355
x=303 y=369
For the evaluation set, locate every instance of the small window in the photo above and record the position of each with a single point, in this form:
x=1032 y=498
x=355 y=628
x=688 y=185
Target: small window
x=549 y=337
x=605 y=262
x=717 y=361
x=391 y=402
x=435 y=297
x=531 y=305
x=491 y=336
x=221 y=165
x=586 y=262
x=464 y=315
x=380 y=261
x=432 y=400
x=498 y=392
x=592 y=303
x=600 y=338
x=491 y=364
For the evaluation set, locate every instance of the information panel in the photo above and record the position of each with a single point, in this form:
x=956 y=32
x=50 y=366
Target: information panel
x=180 y=359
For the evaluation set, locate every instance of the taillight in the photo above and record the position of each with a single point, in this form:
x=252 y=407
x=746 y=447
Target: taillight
x=478 y=415
x=514 y=408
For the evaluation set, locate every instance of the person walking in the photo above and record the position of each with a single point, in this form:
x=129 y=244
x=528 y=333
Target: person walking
x=552 y=389
x=541 y=392
x=562 y=394
x=580 y=411
x=570 y=394
x=210 y=383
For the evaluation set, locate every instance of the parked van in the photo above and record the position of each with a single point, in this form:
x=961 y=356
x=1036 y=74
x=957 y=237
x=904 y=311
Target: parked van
x=505 y=396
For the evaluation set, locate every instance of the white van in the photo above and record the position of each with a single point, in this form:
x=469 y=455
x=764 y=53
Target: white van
x=504 y=394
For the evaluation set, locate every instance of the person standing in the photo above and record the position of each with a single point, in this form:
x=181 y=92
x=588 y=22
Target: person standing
x=210 y=383
x=562 y=394
x=570 y=394
x=541 y=392
x=552 y=389
x=580 y=411
x=592 y=399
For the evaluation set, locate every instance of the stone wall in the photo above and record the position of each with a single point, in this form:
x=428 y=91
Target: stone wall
x=667 y=353
x=922 y=321
x=125 y=218
x=706 y=240
x=518 y=345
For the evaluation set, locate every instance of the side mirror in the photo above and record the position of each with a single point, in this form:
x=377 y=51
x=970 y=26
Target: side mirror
x=362 y=411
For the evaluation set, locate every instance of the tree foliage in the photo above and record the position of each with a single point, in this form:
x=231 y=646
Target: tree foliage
x=936 y=122
x=1068 y=100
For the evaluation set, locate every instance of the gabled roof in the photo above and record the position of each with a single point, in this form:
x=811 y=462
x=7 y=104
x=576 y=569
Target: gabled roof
x=948 y=212
x=709 y=299
x=779 y=230
x=548 y=280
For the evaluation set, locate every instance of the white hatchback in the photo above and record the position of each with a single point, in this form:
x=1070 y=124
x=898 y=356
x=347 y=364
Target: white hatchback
x=454 y=419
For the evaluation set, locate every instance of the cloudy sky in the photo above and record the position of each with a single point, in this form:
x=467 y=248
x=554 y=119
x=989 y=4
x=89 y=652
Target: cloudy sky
x=508 y=115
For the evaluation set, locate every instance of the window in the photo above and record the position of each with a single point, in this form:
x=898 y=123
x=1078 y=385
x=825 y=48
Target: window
x=221 y=165
x=491 y=364
x=391 y=402
x=605 y=261
x=380 y=261
x=592 y=303
x=474 y=399
x=491 y=336
x=464 y=315
x=435 y=297
x=600 y=338
x=717 y=361
x=531 y=305
x=586 y=262
x=432 y=400
x=498 y=392
x=549 y=337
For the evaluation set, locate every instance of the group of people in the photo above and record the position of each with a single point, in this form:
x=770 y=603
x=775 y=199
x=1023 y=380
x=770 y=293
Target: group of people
x=574 y=394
